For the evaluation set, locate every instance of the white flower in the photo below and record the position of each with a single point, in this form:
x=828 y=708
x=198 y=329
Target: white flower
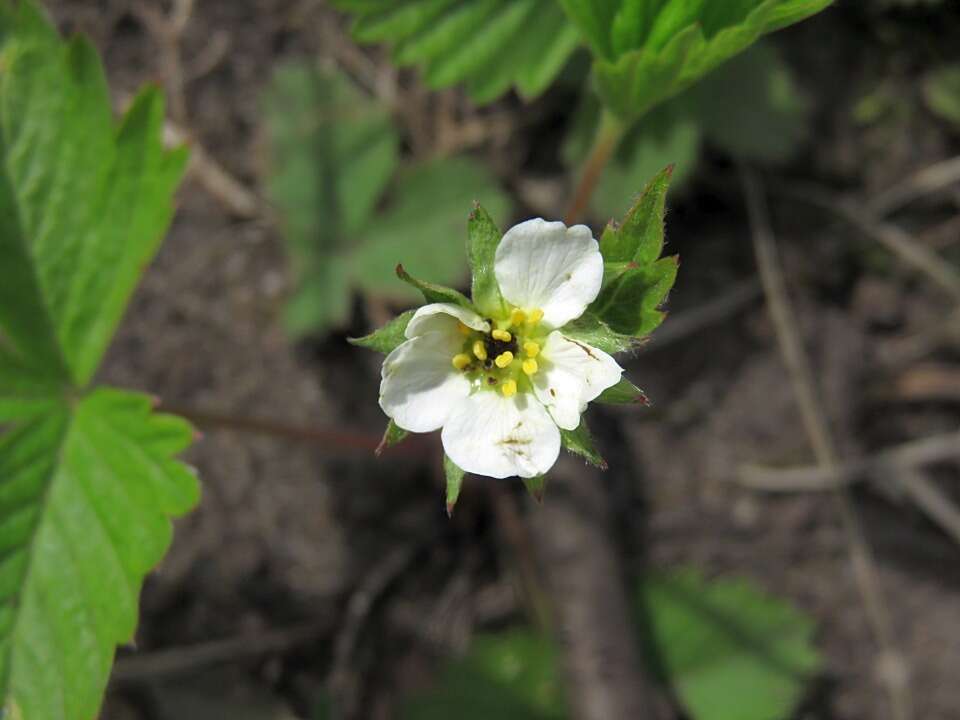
x=501 y=387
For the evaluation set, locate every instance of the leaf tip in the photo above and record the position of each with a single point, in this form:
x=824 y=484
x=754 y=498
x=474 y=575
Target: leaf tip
x=450 y=506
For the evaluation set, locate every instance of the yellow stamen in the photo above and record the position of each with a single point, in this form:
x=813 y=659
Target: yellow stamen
x=504 y=359
x=502 y=335
x=464 y=330
x=479 y=350
x=509 y=388
x=517 y=316
x=461 y=360
x=535 y=317
x=531 y=348
x=530 y=366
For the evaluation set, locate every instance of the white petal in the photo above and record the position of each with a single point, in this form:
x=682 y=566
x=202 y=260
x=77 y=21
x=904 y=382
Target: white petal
x=489 y=434
x=549 y=266
x=572 y=374
x=419 y=386
x=443 y=317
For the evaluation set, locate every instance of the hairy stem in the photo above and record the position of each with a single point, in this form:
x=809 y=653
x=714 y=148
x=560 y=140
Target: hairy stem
x=604 y=143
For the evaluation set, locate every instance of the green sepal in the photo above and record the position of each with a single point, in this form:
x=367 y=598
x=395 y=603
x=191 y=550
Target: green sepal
x=483 y=238
x=393 y=435
x=589 y=329
x=623 y=393
x=638 y=240
x=536 y=486
x=579 y=441
x=630 y=305
x=454 y=481
x=388 y=338
x=434 y=293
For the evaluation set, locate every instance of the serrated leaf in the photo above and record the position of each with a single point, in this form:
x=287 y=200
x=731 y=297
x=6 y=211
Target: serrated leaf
x=683 y=42
x=387 y=338
x=623 y=393
x=511 y=675
x=941 y=91
x=489 y=45
x=84 y=514
x=579 y=441
x=423 y=226
x=639 y=238
x=393 y=435
x=483 y=237
x=722 y=641
x=631 y=304
x=454 y=477
x=594 y=332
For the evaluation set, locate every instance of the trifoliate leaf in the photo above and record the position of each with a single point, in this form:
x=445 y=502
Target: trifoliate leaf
x=941 y=90
x=623 y=393
x=87 y=479
x=454 y=477
x=723 y=641
x=393 y=435
x=387 y=338
x=647 y=53
x=579 y=441
x=432 y=292
x=483 y=239
x=489 y=45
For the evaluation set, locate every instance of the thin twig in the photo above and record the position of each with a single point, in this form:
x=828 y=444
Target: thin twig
x=815 y=424
x=608 y=135
x=931 y=179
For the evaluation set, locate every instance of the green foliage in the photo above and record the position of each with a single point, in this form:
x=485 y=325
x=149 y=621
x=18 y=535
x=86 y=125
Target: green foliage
x=623 y=393
x=941 y=90
x=579 y=441
x=87 y=479
x=484 y=237
x=536 y=486
x=722 y=641
x=588 y=328
x=489 y=45
x=649 y=50
x=432 y=292
x=387 y=338
x=393 y=435
x=348 y=210
x=454 y=477
x=510 y=675
x=728 y=651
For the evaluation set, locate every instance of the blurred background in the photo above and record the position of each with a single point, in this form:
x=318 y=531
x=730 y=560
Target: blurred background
x=318 y=581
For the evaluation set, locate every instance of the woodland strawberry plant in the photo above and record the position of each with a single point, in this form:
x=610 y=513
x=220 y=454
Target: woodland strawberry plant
x=89 y=479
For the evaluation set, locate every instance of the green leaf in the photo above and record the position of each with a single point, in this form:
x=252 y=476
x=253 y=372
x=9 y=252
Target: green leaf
x=594 y=332
x=483 y=239
x=87 y=479
x=423 y=226
x=941 y=90
x=639 y=238
x=511 y=675
x=751 y=106
x=489 y=45
x=722 y=641
x=536 y=486
x=454 y=480
x=684 y=41
x=387 y=338
x=432 y=292
x=623 y=393
x=580 y=442
x=631 y=304
x=85 y=502
x=393 y=435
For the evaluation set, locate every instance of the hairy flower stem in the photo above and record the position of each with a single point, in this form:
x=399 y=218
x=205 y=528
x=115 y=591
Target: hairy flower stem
x=608 y=136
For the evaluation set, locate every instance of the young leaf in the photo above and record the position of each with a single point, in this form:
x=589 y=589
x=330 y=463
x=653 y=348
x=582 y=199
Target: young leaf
x=490 y=45
x=87 y=479
x=393 y=435
x=580 y=442
x=623 y=393
x=639 y=238
x=483 y=239
x=719 y=642
x=387 y=338
x=454 y=481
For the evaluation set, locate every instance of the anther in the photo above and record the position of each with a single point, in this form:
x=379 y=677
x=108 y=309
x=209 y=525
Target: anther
x=530 y=366
x=535 y=317
x=479 y=350
x=517 y=316
x=504 y=359
x=531 y=348
x=461 y=360
x=509 y=388
x=502 y=335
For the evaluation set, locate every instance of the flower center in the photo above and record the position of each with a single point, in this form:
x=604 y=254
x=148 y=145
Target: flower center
x=505 y=358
